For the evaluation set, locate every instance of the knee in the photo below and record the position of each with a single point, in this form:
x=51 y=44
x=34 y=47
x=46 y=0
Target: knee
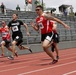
x=2 y=43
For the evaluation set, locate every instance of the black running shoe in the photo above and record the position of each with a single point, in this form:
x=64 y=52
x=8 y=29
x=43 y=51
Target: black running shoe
x=54 y=61
x=30 y=50
x=11 y=58
x=52 y=48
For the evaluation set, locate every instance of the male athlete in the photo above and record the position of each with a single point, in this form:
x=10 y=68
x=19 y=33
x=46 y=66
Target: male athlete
x=43 y=22
x=17 y=36
x=5 y=34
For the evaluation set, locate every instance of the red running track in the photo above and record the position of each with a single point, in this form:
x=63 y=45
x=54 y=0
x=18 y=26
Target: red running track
x=40 y=64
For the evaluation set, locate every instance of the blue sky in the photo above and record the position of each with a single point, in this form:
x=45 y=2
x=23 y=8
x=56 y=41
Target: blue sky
x=49 y=3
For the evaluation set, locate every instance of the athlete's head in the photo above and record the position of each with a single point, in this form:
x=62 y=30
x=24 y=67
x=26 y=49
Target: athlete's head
x=3 y=23
x=14 y=16
x=39 y=9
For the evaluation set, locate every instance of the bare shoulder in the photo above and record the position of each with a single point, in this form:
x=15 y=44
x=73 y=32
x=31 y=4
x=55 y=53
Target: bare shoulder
x=37 y=17
x=6 y=26
x=48 y=16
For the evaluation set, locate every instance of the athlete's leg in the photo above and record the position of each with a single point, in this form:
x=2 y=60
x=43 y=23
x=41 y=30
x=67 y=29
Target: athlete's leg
x=57 y=50
x=45 y=47
x=14 y=53
x=2 y=47
x=10 y=49
x=56 y=41
x=21 y=47
x=14 y=47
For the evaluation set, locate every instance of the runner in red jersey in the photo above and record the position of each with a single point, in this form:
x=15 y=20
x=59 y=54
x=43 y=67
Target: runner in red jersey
x=43 y=22
x=5 y=34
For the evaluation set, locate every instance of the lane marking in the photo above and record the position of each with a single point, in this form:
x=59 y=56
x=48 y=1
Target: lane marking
x=69 y=72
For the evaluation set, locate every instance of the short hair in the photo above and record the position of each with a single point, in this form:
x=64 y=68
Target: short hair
x=15 y=14
x=4 y=21
x=39 y=7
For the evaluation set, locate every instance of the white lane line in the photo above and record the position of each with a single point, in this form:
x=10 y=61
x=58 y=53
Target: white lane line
x=70 y=72
x=29 y=72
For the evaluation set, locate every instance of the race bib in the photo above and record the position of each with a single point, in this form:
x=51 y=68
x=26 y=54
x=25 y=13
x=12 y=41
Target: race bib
x=4 y=34
x=41 y=26
x=15 y=28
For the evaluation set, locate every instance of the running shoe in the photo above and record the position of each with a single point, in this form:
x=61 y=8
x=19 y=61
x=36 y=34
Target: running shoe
x=54 y=61
x=30 y=50
x=11 y=58
x=2 y=55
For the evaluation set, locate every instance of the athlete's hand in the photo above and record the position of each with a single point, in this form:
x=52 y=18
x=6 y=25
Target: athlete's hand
x=32 y=24
x=66 y=26
x=28 y=33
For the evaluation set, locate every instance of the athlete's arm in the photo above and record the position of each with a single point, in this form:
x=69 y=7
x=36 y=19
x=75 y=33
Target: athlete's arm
x=57 y=20
x=36 y=27
x=26 y=27
x=9 y=25
x=54 y=26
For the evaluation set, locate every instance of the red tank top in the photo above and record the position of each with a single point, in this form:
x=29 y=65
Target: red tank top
x=5 y=34
x=44 y=24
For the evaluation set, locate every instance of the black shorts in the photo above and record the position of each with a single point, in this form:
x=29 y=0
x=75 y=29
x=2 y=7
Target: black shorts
x=7 y=43
x=56 y=38
x=18 y=39
x=47 y=36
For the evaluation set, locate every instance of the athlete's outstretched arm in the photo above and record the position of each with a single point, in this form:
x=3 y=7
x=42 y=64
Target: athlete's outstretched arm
x=26 y=27
x=36 y=27
x=57 y=20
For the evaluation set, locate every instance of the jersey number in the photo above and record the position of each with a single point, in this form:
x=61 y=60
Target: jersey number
x=15 y=28
x=41 y=26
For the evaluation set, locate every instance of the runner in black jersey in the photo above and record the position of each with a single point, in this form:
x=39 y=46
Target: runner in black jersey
x=17 y=36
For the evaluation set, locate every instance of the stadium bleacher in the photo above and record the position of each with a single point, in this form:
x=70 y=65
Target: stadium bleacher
x=27 y=17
